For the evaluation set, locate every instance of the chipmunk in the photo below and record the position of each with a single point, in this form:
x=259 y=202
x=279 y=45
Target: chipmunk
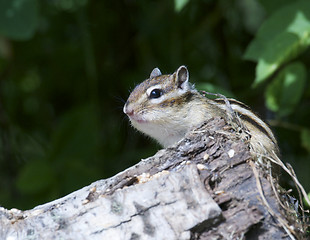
x=166 y=107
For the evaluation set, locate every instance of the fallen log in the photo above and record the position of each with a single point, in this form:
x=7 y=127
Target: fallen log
x=207 y=186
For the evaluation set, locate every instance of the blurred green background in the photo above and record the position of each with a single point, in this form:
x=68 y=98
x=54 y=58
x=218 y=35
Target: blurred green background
x=67 y=66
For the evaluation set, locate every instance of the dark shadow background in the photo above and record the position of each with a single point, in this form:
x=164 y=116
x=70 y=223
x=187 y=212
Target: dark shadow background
x=63 y=89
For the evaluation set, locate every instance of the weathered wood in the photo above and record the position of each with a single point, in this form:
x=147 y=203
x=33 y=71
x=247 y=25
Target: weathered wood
x=201 y=188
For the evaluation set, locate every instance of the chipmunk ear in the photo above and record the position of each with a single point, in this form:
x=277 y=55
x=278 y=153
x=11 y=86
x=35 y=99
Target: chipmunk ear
x=155 y=73
x=182 y=77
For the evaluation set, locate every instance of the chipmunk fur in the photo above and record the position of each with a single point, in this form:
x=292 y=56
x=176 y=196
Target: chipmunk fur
x=166 y=107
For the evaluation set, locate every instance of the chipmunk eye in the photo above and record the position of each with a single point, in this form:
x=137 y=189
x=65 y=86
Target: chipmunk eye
x=156 y=93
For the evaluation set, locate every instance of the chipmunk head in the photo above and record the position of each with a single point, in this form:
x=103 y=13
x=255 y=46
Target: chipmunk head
x=154 y=105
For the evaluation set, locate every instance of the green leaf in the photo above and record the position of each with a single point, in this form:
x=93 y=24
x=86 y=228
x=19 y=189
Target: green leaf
x=282 y=47
x=180 y=4
x=284 y=92
x=305 y=139
x=281 y=38
x=18 y=18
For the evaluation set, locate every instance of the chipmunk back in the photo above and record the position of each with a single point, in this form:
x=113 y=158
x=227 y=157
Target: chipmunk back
x=166 y=107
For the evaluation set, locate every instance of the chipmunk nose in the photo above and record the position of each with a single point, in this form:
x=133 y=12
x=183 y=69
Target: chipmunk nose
x=128 y=111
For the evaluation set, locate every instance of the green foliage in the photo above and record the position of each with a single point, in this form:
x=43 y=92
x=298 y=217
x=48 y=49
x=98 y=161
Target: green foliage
x=284 y=93
x=69 y=5
x=212 y=88
x=67 y=142
x=64 y=64
x=35 y=177
x=180 y=4
x=281 y=38
x=18 y=18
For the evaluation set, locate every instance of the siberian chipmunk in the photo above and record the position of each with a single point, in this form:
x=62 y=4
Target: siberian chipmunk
x=166 y=107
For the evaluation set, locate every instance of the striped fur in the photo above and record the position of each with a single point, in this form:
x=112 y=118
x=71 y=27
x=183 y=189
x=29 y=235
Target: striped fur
x=181 y=107
x=247 y=115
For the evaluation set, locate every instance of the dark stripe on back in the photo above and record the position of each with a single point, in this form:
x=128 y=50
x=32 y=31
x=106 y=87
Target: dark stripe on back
x=254 y=123
x=246 y=117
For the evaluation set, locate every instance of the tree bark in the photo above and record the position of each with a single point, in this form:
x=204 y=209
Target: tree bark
x=205 y=187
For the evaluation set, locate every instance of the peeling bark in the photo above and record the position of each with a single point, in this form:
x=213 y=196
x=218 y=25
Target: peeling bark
x=201 y=188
